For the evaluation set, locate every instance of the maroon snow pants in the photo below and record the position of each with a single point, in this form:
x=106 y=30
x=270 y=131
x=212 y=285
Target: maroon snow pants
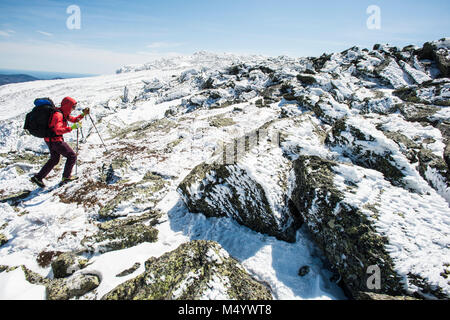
x=58 y=149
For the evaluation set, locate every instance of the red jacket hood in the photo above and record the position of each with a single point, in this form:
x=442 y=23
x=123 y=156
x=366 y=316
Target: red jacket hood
x=66 y=105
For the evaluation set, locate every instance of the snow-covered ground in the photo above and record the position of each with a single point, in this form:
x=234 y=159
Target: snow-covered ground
x=47 y=220
x=158 y=119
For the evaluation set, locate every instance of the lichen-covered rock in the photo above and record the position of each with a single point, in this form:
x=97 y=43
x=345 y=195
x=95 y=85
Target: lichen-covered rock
x=230 y=191
x=124 y=233
x=350 y=213
x=74 y=286
x=365 y=149
x=381 y=297
x=429 y=93
x=3 y=239
x=244 y=189
x=61 y=289
x=195 y=270
x=66 y=264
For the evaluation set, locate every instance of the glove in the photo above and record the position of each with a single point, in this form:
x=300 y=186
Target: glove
x=76 y=125
x=86 y=111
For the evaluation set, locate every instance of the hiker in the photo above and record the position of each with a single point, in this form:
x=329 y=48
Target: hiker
x=57 y=146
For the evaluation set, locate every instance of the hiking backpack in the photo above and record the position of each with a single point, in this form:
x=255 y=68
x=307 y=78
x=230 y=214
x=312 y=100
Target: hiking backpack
x=38 y=120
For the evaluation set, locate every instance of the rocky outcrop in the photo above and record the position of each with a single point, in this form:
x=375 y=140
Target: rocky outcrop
x=437 y=51
x=351 y=228
x=123 y=233
x=345 y=235
x=66 y=264
x=195 y=270
x=3 y=239
x=238 y=185
x=67 y=288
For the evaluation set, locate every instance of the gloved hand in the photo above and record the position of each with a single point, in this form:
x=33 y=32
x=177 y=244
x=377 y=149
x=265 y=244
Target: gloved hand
x=76 y=125
x=86 y=111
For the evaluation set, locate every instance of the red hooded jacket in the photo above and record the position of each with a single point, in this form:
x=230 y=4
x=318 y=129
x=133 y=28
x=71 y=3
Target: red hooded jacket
x=59 y=121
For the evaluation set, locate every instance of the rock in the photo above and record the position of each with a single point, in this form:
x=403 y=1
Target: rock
x=62 y=289
x=417 y=112
x=16 y=198
x=392 y=73
x=195 y=270
x=351 y=231
x=338 y=228
x=72 y=287
x=377 y=296
x=256 y=198
x=439 y=52
x=365 y=150
x=3 y=239
x=229 y=191
x=124 y=233
x=306 y=79
x=129 y=271
x=303 y=271
x=429 y=93
x=66 y=264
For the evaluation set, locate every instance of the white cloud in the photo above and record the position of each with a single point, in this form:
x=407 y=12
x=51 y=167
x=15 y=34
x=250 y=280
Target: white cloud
x=45 y=33
x=69 y=57
x=6 y=33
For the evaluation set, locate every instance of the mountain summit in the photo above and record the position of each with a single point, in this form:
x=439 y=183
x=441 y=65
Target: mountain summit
x=238 y=177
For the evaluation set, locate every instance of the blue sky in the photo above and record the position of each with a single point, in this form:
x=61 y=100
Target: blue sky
x=34 y=35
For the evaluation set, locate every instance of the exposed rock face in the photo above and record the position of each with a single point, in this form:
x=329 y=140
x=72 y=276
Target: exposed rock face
x=229 y=191
x=196 y=270
x=356 y=229
x=343 y=232
x=124 y=233
x=3 y=239
x=74 y=286
x=66 y=264
x=437 y=51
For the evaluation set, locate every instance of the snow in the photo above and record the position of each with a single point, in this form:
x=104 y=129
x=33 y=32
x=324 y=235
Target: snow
x=13 y=286
x=419 y=241
x=42 y=222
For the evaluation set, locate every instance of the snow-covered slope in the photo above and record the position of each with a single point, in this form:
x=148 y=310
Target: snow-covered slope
x=212 y=147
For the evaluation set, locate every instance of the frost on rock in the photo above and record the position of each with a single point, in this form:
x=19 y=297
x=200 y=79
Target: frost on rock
x=195 y=270
x=360 y=220
x=253 y=189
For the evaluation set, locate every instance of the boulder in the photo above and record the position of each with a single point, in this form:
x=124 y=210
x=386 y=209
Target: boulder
x=439 y=52
x=123 y=233
x=358 y=230
x=237 y=184
x=195 y=270
x=66 y=264
x=72 y=287
x=3 y=239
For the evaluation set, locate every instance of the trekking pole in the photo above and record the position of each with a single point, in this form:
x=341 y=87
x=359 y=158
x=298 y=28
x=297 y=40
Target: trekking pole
x=98 y=132
x=76 y=163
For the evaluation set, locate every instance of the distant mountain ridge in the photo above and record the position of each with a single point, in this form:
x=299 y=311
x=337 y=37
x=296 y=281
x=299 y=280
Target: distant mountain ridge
x=15 y=78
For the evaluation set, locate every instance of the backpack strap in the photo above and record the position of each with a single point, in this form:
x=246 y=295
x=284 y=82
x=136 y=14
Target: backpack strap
x=50 y=121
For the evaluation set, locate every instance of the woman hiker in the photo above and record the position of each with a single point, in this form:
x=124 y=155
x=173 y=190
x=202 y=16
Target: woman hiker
x=57 y=145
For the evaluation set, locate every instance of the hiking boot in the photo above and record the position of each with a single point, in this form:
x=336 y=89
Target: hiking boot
x=67 y=180
x=37 y=181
